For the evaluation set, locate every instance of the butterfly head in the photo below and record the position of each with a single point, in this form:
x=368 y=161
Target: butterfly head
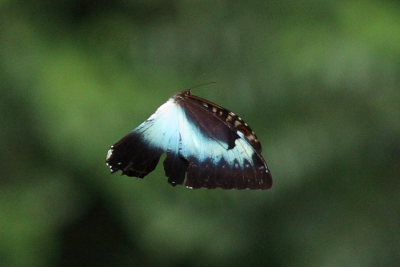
x=182 y=95
x=188 y=92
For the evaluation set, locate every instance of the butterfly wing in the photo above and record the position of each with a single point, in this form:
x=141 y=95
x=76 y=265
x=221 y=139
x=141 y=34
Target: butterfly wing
x=138 y=153
x=228 y=118
x=224 y=157
x=201 y=147
x=133 y=156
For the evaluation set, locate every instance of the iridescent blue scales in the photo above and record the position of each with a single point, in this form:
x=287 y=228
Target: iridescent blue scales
x=207 y=146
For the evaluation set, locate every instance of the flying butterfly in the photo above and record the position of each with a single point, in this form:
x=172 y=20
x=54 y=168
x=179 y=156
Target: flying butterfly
x=207 y=146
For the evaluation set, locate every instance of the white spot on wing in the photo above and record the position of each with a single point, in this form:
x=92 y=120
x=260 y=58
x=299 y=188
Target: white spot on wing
x=109 y=153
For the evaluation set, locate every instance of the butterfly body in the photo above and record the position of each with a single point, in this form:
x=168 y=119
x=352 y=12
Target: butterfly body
x=206 y=145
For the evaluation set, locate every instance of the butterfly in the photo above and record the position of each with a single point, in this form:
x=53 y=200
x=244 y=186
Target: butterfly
x=206 y=146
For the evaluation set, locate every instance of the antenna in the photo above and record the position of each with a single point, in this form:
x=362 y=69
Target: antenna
x=200 y=85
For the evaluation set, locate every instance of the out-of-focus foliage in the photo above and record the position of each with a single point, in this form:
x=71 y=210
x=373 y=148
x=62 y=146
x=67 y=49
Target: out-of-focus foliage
x=318 y=81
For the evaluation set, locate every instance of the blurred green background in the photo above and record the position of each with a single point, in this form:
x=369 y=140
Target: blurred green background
x=318 y=81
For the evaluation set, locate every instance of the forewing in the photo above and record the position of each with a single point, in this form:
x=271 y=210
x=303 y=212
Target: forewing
x=138 y=153
x=227 y=117
x=133 y=156
x=218 y=155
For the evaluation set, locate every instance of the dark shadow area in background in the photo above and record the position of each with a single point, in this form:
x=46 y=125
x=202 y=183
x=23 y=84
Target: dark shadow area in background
x=97 y=239
x=74 y=13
